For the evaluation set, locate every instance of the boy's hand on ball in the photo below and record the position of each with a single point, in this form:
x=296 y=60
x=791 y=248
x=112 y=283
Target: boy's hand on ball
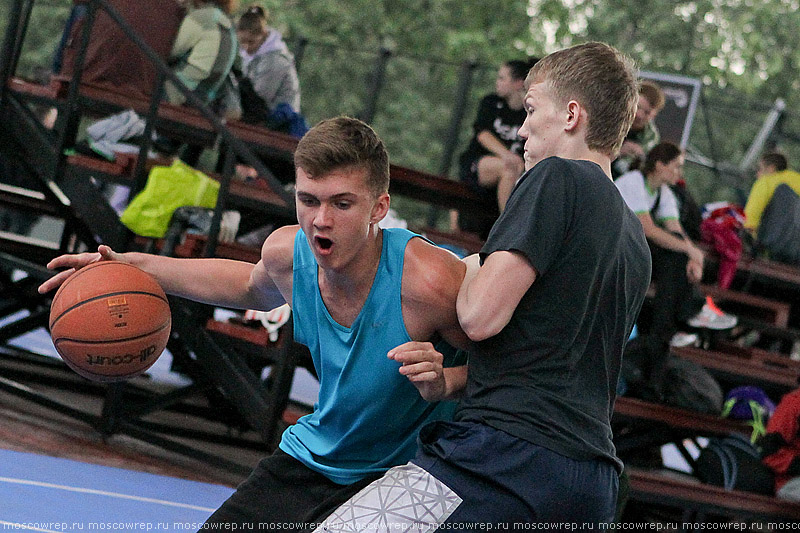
x=74 y=262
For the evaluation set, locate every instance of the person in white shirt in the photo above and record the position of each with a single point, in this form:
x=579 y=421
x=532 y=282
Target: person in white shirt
x=677 y=261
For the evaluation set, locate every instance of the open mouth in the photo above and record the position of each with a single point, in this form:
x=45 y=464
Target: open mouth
x=324 y=243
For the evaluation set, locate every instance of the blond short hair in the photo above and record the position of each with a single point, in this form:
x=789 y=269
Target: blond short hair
x=653 y=93
x=603 y=80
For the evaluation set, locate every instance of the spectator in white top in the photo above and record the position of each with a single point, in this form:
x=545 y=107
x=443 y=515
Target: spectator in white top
x=677 y=262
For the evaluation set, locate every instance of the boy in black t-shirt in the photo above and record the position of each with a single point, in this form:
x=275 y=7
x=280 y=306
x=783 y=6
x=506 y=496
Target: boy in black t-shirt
x=550 y=301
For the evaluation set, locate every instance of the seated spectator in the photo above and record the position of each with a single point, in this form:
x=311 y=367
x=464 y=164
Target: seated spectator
x=203 y=57
x=677 y=262
x=773 y=170
x=204 y=50
x=113 y=59
x=643 y=135
x=492 y=162
x=780 y=447
x=269 y=89
x=269 y=86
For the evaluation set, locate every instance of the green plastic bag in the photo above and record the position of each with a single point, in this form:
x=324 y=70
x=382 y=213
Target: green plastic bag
x=167 y=189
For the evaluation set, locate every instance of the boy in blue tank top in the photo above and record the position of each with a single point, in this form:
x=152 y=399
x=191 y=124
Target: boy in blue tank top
x=367 y=302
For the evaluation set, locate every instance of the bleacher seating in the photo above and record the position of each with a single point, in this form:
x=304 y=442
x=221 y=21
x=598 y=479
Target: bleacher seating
x=404 y=181
x=758 y=308
x=699 y=501
x=747 y=367
x=644 y=425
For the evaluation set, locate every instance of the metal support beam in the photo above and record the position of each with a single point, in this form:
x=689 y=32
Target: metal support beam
x=376 y=81
x=757 y=146
x=451 y=136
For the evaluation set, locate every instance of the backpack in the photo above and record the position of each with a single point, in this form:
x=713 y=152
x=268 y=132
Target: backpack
x=690 y=214
x=751 y=404
x=687 y=385
x=653 y=374
x=743 y=403
x=733 y=463
x=779 y=229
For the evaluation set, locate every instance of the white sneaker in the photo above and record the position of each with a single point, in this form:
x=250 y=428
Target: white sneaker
x=710 y=318
x=682 y=339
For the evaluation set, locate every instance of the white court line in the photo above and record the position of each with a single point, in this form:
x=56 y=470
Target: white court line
x=17 y=526
x=103 y=493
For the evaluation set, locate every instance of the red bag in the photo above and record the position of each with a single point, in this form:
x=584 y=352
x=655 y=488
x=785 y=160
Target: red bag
x=721 y=229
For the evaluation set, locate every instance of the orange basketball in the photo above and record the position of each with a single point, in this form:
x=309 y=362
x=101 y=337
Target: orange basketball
x=110 y=321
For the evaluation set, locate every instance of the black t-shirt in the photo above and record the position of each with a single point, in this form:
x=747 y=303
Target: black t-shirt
x=550 y=376
x=495 y=116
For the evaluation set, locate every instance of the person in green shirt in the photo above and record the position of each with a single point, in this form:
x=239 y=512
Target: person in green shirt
x=204 y=49
x=643 y=134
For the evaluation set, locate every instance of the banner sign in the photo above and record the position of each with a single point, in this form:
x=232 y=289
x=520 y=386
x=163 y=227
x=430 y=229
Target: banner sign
x=674 y=122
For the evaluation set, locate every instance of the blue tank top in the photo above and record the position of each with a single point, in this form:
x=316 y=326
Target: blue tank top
x=368 y=415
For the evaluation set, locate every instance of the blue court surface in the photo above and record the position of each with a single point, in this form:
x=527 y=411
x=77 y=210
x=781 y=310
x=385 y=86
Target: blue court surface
x=40 y=493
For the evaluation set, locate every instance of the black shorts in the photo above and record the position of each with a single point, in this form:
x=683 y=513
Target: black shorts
x=477 y=223
x=283 y=491
x=468 y=172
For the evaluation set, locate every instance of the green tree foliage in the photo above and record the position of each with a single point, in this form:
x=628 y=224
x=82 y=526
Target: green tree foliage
x=428 y=41
x=47 y=19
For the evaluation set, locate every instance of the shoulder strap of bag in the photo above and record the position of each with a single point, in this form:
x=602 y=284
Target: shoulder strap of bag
x=655 y=205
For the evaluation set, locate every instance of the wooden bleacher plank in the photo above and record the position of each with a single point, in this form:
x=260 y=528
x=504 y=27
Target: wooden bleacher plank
x=26 y=199
x=659 y=488
x=98 y=165
x=775 y=360
x=258 y=336
x=744 y=369
x=759 y=266
x=771 y=269
x=632 y=408
x=257 y=135
x=437 y=190
x=51 y=91
x=773 y=311
x=127 y=100
x=32 y=249
x=193 y=245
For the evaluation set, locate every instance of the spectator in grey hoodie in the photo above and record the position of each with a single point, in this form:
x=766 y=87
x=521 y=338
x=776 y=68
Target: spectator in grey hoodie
x=266 y=61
